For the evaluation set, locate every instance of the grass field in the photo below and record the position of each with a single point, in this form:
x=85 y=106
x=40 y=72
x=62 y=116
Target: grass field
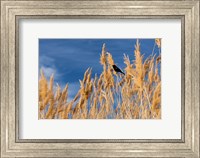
x=111 y=95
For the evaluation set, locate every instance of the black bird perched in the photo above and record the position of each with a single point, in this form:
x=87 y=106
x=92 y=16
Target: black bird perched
x=117 y=69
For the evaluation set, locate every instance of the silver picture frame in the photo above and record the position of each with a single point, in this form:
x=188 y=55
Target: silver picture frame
x=187 y=11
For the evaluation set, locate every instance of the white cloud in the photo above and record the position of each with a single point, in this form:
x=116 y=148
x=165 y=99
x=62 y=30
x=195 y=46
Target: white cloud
x=48 y=71
x=45 y=60
x=48 y=67
x=72 y=88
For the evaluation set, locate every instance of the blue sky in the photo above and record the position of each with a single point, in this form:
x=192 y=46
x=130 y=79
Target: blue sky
x=68 y=59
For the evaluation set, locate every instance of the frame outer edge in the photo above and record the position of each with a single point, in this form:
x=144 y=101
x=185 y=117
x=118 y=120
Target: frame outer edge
x=5 y=99
x=4 y=81
x=196 y=73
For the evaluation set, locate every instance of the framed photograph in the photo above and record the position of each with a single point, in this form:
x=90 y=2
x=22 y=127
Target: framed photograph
x=110 y=93
x=100 y=78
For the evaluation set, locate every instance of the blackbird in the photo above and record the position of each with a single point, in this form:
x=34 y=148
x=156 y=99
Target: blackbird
x=117 y=69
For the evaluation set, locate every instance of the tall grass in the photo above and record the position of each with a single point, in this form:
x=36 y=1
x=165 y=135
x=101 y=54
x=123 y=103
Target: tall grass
x=135 y=95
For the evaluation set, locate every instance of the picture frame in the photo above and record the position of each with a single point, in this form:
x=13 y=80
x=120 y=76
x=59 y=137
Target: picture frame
x=13 y=11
